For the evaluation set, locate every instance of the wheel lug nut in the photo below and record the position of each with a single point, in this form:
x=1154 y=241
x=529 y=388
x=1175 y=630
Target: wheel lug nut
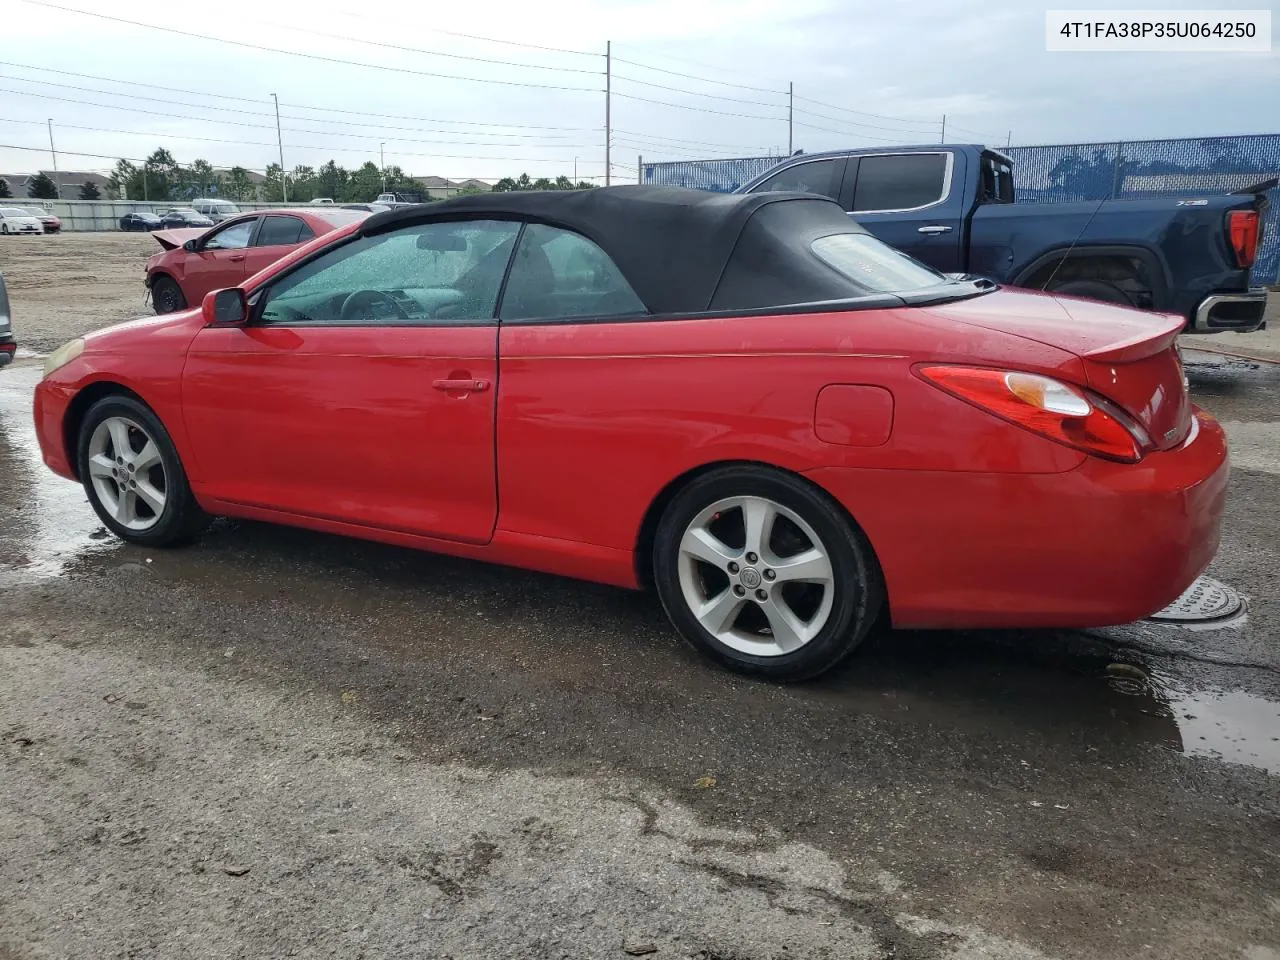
x=119 y=459
x=739 y=590
x=752 y=558
x=769 y=574
x=762 y=595
x=733 y=567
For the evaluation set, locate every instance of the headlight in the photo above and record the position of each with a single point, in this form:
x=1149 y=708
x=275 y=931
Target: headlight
x=63 y=355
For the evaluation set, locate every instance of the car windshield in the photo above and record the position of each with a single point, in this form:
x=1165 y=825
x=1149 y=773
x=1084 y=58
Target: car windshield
x=13 y=212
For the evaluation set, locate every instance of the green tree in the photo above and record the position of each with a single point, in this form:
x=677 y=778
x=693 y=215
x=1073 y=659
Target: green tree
x=273 y=188
x=119 y=183
x=331 y=181
x=5 y=192
x=42 y=187
x=363 y=185
x=161 y=173
x=89 y=191
x=238 y=185
x=302 y=185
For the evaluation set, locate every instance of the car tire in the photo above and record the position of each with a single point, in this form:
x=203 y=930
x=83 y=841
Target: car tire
x=166 y=295
x=789 y=609
x=1093 y=290
x=4 y=228
x=133 y=476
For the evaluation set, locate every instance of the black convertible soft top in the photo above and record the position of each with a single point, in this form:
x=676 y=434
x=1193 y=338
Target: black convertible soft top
x=682 y=251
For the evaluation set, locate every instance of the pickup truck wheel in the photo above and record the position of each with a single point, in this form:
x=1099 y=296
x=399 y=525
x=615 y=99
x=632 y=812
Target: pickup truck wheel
x=765 y=574
x=1093 y=290
x=166 y=295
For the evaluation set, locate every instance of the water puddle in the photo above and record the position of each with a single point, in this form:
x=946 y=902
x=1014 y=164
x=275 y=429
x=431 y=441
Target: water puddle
x=49 y=522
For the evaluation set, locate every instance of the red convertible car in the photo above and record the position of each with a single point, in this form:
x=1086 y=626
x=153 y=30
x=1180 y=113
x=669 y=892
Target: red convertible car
x=784 y=425
x=197 y=259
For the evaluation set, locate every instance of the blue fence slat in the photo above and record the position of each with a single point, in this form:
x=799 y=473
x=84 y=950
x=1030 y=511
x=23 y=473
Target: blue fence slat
x=1082 y=171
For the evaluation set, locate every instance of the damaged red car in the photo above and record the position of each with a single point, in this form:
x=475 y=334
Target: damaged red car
x=787 y=428
x=196 y=260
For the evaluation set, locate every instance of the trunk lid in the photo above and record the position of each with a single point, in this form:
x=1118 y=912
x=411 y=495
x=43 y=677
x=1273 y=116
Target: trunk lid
x=1128 y=357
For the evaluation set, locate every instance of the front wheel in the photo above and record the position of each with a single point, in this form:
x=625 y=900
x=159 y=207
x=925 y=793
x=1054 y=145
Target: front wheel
x=166 y=295
x=765 y=574
x=133 y=477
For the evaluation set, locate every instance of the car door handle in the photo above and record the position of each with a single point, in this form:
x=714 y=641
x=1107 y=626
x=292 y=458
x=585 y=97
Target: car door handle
x=237 y=257
x=461 y=386
x=934 y=228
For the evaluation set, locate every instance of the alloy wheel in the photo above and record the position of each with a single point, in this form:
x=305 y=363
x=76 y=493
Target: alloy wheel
x=127 y=473
x=756 y=576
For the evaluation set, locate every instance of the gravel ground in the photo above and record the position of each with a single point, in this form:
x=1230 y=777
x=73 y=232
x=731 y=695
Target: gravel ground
x=277 y=743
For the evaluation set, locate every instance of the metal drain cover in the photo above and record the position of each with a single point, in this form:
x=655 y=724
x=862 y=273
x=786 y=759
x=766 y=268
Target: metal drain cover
x=1205 y=601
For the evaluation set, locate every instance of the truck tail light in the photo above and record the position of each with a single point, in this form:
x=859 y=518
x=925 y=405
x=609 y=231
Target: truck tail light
x=1242 y=228
x=1056 y=411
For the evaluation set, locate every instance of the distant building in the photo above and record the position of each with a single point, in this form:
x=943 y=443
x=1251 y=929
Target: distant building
x=442 y=188
x=70 y=181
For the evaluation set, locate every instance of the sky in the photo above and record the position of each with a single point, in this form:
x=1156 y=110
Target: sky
x=468 y=90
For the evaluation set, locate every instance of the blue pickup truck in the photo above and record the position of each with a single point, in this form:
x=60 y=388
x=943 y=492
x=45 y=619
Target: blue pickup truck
x=952 y=207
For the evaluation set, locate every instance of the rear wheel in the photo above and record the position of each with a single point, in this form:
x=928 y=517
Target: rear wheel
x=166 y=295
x=765 y=574
x=1093 y=290
x=133 y=477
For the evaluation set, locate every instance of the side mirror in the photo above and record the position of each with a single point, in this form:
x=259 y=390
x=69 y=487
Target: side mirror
x=224 y=308
x=189 y=246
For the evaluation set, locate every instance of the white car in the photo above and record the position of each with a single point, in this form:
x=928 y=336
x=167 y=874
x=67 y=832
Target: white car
x=322 y=202
x=15 y=220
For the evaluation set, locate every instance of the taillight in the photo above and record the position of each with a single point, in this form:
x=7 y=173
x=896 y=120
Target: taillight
x=1242 y=229
x=1056 y=411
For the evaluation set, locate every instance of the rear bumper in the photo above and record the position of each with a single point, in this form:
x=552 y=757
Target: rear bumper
x=8 y=346
x=1241 y=311
x=1104 y=544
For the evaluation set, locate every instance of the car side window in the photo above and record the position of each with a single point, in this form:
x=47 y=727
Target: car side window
x=821 y=177
x=280 y=231
x=442 y=273
x=900 y=182
x=559 y=275
x=234 y=237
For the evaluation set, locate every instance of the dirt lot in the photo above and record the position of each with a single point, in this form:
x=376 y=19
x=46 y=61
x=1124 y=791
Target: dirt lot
x=277 y=743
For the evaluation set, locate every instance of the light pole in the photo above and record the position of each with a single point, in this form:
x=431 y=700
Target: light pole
x=57 y=180
x=284 y=185
x=382 y=160
x=575 y=171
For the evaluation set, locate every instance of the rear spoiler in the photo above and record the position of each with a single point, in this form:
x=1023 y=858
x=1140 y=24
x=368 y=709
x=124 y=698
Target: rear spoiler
x=1141 y=345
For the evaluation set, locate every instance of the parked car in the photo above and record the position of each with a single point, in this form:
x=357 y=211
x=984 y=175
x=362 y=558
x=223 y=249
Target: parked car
x=141 y=220
x=952 y=208
x=8 y=346
x=185 y=217
x=368 y=207
x=47 y=220
x=216 y=210
x=785 y=425
x=196 y=261
x=321 y=201
x=17 y=220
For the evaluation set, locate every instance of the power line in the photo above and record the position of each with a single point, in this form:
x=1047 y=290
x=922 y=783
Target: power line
x=695 y=93
x=250 y=113
x=690 y=76
x=710 y=66
x=685 y=106
x=307 y=56
x=296 y=106
x=472 y=36
x=846 y=133
x=869 y=126
x=874 y=116
x=432 y=53
x=639 y=135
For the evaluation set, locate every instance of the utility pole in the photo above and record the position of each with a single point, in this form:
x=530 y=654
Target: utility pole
x=575 y=171
x=284 y=183
x=1008 y=140
x=608 y=97
x=382 y=160
x=791 y=116
x=57 y=180
x=639 y=169
x=943 y=138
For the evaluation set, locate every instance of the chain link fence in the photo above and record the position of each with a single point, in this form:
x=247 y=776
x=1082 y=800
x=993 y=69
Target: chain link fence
x=1061 y=173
